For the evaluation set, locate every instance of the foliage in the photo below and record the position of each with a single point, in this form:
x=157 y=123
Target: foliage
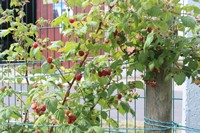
x=150 y=28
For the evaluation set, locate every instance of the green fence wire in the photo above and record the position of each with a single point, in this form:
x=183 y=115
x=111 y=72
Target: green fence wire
x=126 y=123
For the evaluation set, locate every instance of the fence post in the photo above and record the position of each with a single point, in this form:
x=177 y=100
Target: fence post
x=158 y=102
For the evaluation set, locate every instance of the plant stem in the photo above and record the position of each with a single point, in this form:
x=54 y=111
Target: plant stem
x=71 y=84
x=20 y=99
x=27 y=81
x=62 y=75
x=104 y=88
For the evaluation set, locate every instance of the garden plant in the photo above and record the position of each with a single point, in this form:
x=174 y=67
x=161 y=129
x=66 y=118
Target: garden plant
x=157 y=37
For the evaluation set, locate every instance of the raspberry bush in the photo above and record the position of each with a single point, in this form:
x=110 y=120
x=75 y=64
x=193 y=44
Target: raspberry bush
x=142 y=34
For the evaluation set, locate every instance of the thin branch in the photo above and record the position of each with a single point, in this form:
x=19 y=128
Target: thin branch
x=104 y=88
x=82 y=95
x=71 y=84
x=62 y=75
x=20 y=99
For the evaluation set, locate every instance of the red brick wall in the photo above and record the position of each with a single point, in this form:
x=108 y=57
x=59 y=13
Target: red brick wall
x=46 y=11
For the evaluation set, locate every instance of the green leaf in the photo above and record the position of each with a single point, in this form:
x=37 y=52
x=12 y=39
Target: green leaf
x=103 y=104
x=72 y=129
x=83 y=29
x=85 y=4
x=60 y=115
x=104 y=115
x=4 y=33
x=188 y=21
x=151 y=65
x=112 y=122
x=116 y=63
x=58 y=20
x=69 y=46
x=57 y=62
x=139 y=67
x=42 y=119
x=16 y=128
x=5 y=132
x=83 y=124
x=7 y=113
x=135 y=17
x=139 y=84
x=148 y=40
x=45 y=67
x=111 y=89
x=55 y=45
x=92 y=23
x=80 y=16
x=179 y=78
x=132 y=112
x=52 y=105
x=121 y=110
x=35 y=50
x=125 y=106
x=193 y=65
x=103 y=80
x=96 y=129
x=19 y=80
x=16 y=115
x=155 y=11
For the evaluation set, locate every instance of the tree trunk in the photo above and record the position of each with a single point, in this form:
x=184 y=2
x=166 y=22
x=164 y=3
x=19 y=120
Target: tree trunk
x=159 y=103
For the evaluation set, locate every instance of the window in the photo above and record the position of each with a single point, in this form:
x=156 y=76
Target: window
x=60 y=8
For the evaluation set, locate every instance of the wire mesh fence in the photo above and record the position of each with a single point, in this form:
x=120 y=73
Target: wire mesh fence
x=10 y=78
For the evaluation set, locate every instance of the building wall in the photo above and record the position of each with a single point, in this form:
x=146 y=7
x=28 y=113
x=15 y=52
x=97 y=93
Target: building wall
x=45 y=10
x=191 y=97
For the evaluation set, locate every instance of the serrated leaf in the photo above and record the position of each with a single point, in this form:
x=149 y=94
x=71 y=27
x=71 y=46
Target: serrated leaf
x=188 y=21
x=193 y=65
x=179 y=78
x=19 y=80
x=16 y=115
x=151 y=65
x=135 y=17
x=155 y=11
x=103 y=104
x=83 y=124
x=132 y=112
x=139 y=84
x=103 y=80
x=125 y=106
x=96 y=129
x=92 y=23
x=72 y=129
x=149 y=40
x=112 y=122
x=36 y=50
x=4 y=33
x=57 y=62
x=16 y=128
x=52 y=105
x=42 y=119
x=69 y=46
x=60 y=115
x=45 y=67
x=111 y=89
x=55 y=45
x=85 y=4
x=7 y=114
x=104 y=115
x=139 y=67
